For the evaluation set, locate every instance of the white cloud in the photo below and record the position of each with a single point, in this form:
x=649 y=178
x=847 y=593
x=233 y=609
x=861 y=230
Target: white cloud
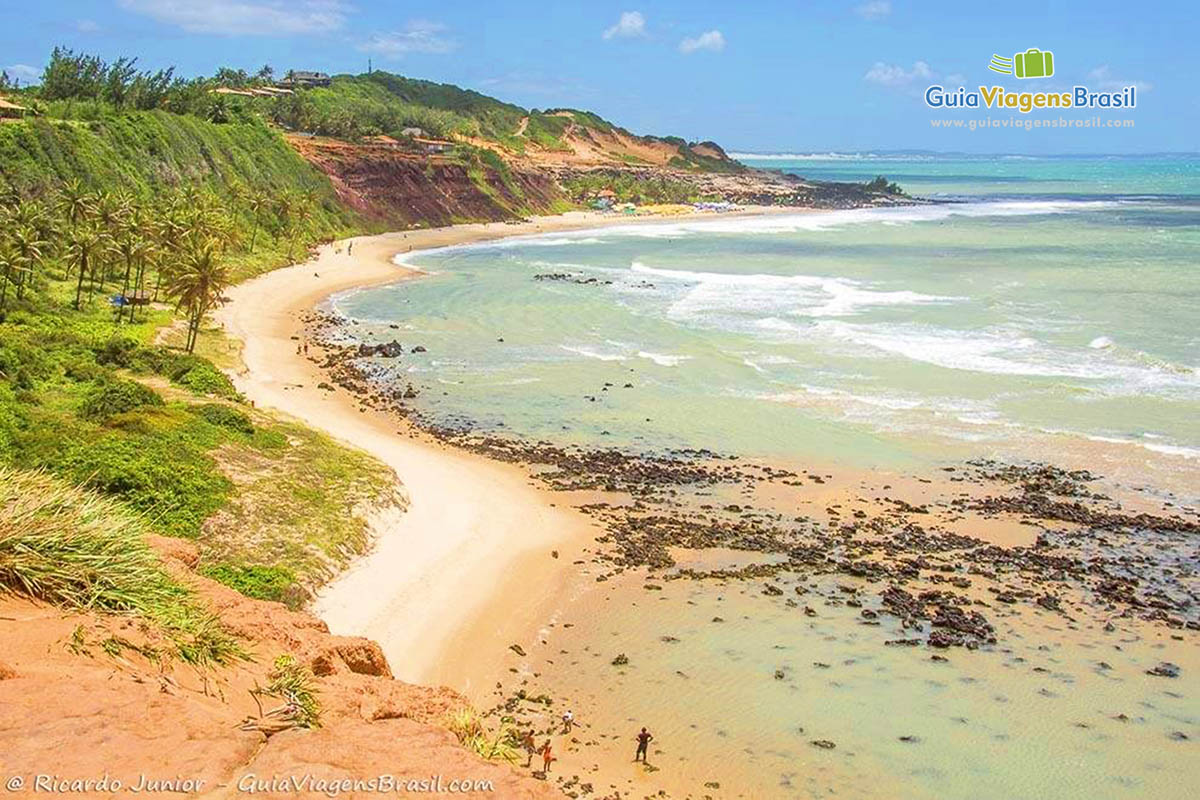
x=418 y=36
x=631 y=24
x=711 y=40
x=254 y=17
x=896 y=76
x=1103 y=78
x=874 y=9
x=23 y=72
x=87 y=25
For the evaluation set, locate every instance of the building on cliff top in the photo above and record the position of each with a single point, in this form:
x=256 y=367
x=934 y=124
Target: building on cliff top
x=306 y=79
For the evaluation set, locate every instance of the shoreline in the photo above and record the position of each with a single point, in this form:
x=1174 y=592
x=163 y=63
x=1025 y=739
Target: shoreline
x=446 y=581
x=488 y=556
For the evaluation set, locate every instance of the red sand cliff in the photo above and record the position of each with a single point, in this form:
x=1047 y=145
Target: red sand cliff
x=73 y=711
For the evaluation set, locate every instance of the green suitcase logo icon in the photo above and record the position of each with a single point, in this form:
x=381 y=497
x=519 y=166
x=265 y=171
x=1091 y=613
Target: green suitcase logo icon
x=1033 y=63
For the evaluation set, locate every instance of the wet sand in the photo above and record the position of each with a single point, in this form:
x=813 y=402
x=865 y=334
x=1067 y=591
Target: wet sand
x=472 y=568
x=449 y=581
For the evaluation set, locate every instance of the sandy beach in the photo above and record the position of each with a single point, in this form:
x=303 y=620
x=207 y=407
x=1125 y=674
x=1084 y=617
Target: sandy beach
x=469 y=568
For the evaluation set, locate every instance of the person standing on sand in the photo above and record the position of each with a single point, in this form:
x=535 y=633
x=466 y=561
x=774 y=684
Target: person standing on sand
x=547 y=757
x=643 y=740
x=568 y=720
x=350 y=249
x=530 y=747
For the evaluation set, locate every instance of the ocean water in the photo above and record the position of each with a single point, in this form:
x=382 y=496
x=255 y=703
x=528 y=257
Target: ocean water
x=1051 y=307
x=1049 y=312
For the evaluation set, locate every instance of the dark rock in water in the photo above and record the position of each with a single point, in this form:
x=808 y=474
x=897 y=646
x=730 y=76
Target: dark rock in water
x=1165 y=669
x=824 y=744
x=902 y=642
x=516 y=648
x=936 y=657
x=809 y=612
x=944 y=639
x=621 y=660
x=910 y=739
x=1049 y=601
x=772 y=590
x=421 y=348
x=1179 y=736
x=868 y=614
x=779 y=675
x=390 y=349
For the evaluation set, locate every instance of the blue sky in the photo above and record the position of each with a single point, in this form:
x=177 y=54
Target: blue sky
x=769 y=76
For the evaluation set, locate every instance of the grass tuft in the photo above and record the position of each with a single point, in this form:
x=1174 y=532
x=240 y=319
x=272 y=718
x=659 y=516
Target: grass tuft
x=467 y=726
x=292 y=682
x=75 y=549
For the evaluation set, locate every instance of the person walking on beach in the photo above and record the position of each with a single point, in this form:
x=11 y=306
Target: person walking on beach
x=547 y=757
x=350 y=249
x=530 y=747
x=643 y=740
x=568 y=720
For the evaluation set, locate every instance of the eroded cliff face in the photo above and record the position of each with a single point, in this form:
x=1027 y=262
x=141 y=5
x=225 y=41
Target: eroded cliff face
x=79 y=700
x=404 y=189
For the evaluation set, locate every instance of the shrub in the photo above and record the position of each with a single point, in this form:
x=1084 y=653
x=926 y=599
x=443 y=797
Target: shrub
x=224 y=417
x=204 y=378
x=117 y=397
x=117 y=351
x=190 y=371
x=259 y=581
x=168 y=477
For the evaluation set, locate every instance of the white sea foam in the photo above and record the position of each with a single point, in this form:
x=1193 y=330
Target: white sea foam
x=1006 y=352
x=1100 y=342
x=589 y=352
x=1155 y=447
x=804 y=295
x=1173 y=450
x=662 y=359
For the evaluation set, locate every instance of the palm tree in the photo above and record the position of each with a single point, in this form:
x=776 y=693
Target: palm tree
x=257 y=202
x=85 y=247
x=75 y=202
x=300 y=219
x=30 y=250
x=285 y=203
x=151 y=256
x=133 y=248
x=10 y=264
x=198 y=283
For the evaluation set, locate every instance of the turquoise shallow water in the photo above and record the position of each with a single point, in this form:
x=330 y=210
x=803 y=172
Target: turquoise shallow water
x=1051 y=313
x=1053 y=307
